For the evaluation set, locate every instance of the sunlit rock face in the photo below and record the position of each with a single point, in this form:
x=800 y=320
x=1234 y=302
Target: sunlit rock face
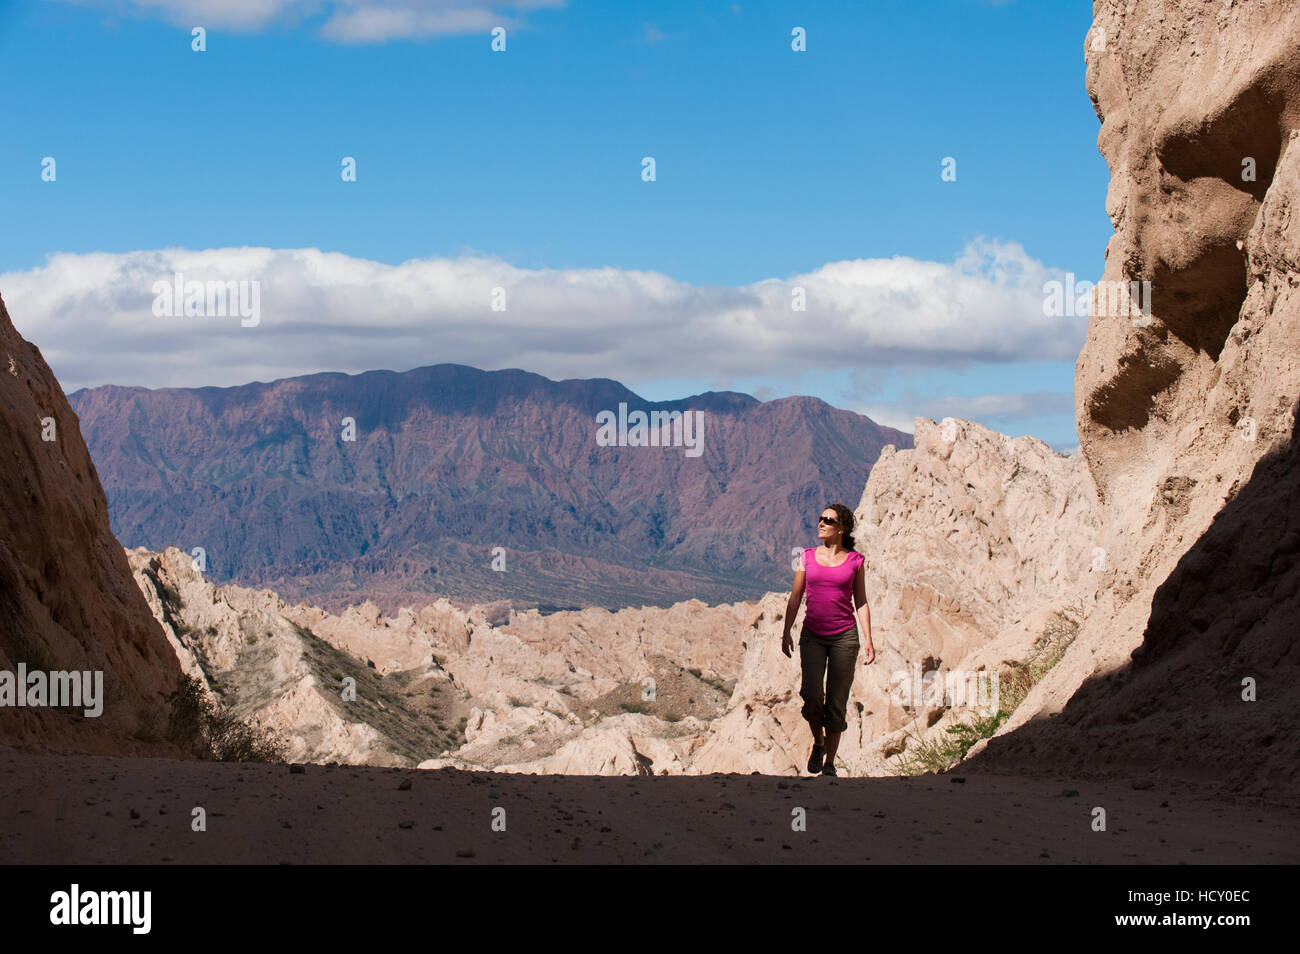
x=1200 y=104
x=1186 y=415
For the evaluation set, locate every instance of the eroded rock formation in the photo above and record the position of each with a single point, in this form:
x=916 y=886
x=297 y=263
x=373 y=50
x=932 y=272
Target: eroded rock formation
x=589 y=692
x=1187 y=419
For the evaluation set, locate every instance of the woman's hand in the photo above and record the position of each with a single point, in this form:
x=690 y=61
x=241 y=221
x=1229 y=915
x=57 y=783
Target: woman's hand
x=787 y=643
x=870 y=655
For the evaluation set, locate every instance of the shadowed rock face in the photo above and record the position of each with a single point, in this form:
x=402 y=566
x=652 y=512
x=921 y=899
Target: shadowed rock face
x=1210 y=692
x=67 y=599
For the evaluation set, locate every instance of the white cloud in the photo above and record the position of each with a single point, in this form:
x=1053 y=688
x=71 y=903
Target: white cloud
x=1025 y=404
x=969 y=407
x=370 y=23
x=890 y=415
x=345 y=21
x=91 y=315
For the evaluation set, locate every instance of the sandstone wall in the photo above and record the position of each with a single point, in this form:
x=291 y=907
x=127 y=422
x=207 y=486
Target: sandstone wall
x=1189 y=411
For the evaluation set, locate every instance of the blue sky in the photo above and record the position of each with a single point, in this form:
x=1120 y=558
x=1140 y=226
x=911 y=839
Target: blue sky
x=770 y=164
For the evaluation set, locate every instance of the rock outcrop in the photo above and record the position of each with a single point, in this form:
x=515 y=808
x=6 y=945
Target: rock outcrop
x=67 y=602
x=1187 y=416
x=588 y=692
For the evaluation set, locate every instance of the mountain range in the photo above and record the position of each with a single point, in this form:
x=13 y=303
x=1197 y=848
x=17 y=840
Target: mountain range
x=479 y=486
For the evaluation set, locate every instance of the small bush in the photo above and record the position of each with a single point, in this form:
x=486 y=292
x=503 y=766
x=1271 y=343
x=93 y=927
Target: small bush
x=168 y=594
x=223 y=737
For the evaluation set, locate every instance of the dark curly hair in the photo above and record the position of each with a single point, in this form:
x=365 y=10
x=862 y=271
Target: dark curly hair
x=846 y=523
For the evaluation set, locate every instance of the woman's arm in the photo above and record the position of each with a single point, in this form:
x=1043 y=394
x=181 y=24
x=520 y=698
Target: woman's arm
x=792 y=609
x=864 y=611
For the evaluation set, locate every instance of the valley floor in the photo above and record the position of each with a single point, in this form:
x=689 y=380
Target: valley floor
x=81 y=809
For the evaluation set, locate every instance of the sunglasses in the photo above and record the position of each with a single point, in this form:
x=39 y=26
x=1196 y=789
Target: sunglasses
x=832 y=522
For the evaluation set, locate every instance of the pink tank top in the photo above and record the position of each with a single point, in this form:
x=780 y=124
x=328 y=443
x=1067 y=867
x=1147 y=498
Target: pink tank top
x=829 y=592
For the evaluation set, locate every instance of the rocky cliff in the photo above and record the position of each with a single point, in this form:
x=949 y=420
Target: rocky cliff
x=67 y=602
x=1187 y=416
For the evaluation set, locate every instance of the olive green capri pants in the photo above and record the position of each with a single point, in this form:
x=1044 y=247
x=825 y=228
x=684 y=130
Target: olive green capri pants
x=827 y=661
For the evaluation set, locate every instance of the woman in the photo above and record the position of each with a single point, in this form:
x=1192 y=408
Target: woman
x=828 y=645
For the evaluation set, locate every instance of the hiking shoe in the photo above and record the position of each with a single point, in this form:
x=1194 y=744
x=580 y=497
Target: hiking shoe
x=829 y=769
x=815 y=760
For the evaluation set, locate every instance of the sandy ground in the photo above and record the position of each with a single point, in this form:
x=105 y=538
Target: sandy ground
x=80 y=809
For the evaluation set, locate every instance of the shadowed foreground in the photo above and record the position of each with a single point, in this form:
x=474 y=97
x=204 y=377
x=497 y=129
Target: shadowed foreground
x=79 y=809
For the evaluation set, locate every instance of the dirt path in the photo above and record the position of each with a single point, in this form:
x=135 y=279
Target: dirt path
x=78 y=809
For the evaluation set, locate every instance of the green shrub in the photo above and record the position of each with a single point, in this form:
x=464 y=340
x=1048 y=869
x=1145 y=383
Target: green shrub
x=942 y=753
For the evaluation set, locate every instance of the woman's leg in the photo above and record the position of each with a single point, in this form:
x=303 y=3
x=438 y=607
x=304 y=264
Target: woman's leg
x=842 y=658
x=812 y=662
